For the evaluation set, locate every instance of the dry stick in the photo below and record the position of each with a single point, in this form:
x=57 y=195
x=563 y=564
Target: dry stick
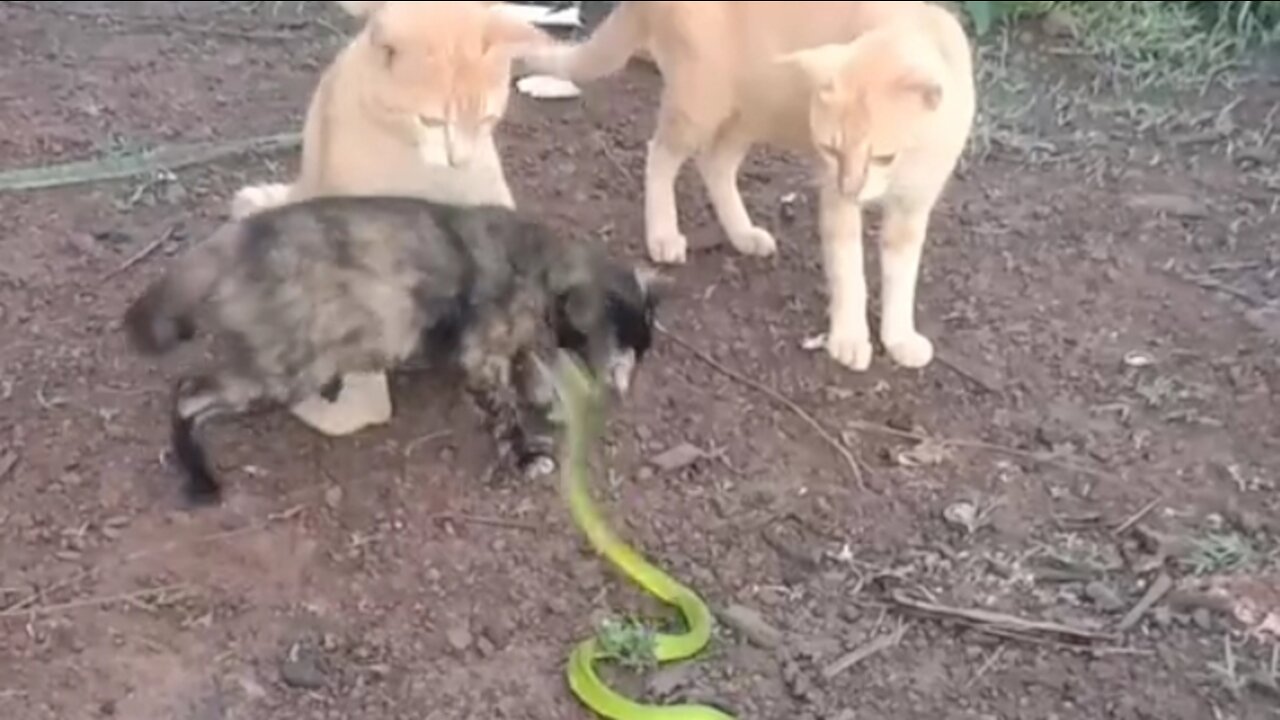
x=1136 y=518
x=142 y=254
x=92 y=602
x=462 y=519
x=979 y=445
x=1009 y=624
x=881 y=643
x=1159 y=588
x=777 y=397
x=985 y=667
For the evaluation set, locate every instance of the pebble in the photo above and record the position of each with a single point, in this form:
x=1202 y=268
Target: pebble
x=459 y=638
x=301 y=669
x=333 y=497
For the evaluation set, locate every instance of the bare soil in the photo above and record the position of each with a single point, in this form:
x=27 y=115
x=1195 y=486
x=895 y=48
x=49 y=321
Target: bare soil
x=1101 y=282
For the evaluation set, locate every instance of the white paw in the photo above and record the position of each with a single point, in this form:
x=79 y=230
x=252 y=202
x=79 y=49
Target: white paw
x=911 y=351
x=258 y=197
x=756 y=241
x=540 y=467
x=850 y=350
x=546 y=87
x=668 y=249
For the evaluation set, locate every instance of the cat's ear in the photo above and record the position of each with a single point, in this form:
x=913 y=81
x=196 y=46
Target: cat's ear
x=820 y=65
x=380 y=41
x=360 y=8
x=509 y=35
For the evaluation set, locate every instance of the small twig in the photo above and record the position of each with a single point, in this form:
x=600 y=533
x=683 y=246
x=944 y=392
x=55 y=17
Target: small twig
x=1213 y=285
x=777 y=397
x=1159 y=588
x=1136 y=518
x=872 y=648
x=91 y=602
x=996 y=621
x=412 y=447
x=985 y=667
x=979 y=445
x=485 y=521
x=142 y=254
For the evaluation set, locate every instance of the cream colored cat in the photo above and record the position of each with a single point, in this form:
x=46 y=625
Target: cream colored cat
x=880 y=94
x=409 y=107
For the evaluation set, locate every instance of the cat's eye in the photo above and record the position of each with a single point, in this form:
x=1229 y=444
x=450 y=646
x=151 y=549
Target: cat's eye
x=430 y=122
x=883 y=160
x=388 y=55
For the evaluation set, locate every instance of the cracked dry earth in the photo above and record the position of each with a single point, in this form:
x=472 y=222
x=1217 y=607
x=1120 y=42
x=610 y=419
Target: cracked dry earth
x=1103 y=294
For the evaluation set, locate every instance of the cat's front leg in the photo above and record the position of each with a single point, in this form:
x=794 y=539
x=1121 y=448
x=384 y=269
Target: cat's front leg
x=848 y=337
x=902 y=245
x=665 y=242
x=719 y=166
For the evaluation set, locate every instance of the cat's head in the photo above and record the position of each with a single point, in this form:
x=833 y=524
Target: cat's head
x=604 y=314
x=870 y=101
x=440 y=69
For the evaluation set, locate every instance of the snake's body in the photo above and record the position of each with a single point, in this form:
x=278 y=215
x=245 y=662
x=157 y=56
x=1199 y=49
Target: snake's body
x=581 y=406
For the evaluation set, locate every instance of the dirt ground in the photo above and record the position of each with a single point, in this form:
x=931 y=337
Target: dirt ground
x=1101 y=283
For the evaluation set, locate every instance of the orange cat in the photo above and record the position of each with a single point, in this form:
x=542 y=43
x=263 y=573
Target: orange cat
x=881 y=96
x=409 y=107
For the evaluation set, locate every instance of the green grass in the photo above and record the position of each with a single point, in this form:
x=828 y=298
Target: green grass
x=1174 y=43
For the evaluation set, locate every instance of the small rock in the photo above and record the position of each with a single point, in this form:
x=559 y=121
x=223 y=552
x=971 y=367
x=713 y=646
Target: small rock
x=1162 y=616
x=1202 y=619
x=459 y=638
x=752 y=625
x=301 y=669
x=1106 y=599
x=333 y=497
x=962 y=515
x=677 y=458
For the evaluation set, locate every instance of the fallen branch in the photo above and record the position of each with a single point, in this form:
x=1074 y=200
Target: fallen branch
x=462 y=519
x=1159 y=588
x=142 y=254
x=863 y=426
x=91 y=602
x=165 y=157
x=1136 y=518
x=777 y=397
x=884 y=642
x=1002 y=624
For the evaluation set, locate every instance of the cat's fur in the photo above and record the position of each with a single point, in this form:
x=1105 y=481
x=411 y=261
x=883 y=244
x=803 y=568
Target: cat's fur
x=409 y=107
x=881 y=96
x=307 y=293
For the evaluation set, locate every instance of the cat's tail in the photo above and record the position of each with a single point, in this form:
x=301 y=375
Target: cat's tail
x=255 y=198
x=163 y=317
x=618 y=38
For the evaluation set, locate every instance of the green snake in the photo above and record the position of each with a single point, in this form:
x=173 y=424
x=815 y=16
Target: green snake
x=581 y=403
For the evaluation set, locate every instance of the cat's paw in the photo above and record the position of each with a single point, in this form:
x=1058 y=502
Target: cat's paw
x=850 y=350
x=256 y=198
x=669 y=249
x=755 y=241
x=910 y=351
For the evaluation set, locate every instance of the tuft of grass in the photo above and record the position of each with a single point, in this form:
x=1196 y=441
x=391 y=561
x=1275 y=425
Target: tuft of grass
x=629 y=642
x=1219 y=552
x=1165 y=43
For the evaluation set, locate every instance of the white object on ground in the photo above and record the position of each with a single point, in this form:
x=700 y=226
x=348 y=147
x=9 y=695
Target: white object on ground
x=544 y=16
x=546 y=87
